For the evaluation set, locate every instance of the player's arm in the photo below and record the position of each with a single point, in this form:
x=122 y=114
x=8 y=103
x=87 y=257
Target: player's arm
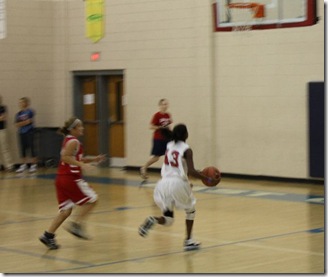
x=153 y=123
x=169 y=125
x=67 y=154
x=154 y=127
x=98 y=159
x=188 y=155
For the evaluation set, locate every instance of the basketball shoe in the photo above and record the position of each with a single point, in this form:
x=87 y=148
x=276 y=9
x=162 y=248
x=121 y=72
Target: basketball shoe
x=49 y=240
x=190 y=244
x=146 y=226
x=33 y=168
x=76 y=230
x=22 y=168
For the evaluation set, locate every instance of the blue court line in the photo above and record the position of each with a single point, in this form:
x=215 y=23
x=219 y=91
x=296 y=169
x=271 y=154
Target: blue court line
x=317 y=230
x=291 y=197
x=181 y=252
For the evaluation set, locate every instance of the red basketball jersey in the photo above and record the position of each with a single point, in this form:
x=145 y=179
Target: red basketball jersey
x=68 y=169
x=162 y=120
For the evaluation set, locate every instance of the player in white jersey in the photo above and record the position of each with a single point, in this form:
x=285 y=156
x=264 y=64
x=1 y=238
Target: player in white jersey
x=174 y=189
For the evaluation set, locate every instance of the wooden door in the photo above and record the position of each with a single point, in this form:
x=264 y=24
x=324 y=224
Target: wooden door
x=90 y=118
x=116 y=116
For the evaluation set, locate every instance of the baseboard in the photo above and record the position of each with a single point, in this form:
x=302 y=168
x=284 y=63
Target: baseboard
x=249 y=177
x=275 y=178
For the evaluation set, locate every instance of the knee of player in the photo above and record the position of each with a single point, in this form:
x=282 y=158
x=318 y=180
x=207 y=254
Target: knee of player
x=190 y=214
x=94 y=199
x=66 y=212
x=168 y=221
x=169 y=218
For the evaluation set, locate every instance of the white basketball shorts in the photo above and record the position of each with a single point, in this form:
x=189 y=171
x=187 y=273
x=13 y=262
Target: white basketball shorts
x=174 y=192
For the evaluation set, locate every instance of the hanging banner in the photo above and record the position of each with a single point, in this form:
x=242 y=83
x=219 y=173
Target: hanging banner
x=95 y=17
x=3 y=24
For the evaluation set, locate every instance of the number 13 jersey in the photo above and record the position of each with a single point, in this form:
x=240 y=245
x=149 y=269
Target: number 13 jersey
x=174 y=162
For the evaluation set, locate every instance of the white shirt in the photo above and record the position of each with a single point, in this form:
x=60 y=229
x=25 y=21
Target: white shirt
x=174 y=163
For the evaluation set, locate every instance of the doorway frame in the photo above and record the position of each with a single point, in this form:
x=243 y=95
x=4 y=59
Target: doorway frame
x=102 y=100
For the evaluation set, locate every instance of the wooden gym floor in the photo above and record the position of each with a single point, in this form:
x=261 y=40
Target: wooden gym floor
x=245 y=226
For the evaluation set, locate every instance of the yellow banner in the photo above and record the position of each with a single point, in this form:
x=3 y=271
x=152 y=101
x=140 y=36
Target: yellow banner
x=95 y=17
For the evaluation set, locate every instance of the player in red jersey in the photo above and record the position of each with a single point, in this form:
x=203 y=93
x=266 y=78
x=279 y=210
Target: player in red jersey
x=159 y=122
x=71 y=189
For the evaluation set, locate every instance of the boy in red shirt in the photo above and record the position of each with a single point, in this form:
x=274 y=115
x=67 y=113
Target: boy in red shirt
x=160 y=121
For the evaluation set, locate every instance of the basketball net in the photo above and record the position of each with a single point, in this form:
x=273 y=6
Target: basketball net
x=245 y=15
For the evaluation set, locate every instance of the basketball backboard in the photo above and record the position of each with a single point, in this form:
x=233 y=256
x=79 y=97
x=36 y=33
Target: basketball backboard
x=264 y=14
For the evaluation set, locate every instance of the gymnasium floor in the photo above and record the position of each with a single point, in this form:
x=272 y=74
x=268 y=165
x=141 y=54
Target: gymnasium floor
x=245 y=226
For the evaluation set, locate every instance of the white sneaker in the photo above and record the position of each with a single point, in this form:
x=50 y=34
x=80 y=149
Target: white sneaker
x=22 y=168
x=190 y=244
x=33 y=168
x=143 y=173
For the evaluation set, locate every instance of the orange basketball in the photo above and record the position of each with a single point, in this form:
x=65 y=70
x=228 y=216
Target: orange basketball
x=212 y=172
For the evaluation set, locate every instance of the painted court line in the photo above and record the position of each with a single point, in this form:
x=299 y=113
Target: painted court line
x=44 y=256
x=240 y=243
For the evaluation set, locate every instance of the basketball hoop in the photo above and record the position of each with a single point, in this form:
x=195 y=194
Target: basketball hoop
x=245 y=15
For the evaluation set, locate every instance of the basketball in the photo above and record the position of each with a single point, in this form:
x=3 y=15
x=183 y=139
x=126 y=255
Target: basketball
x=211 y=172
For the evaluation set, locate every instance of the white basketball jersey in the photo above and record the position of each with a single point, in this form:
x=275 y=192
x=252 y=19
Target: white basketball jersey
x=174 y=163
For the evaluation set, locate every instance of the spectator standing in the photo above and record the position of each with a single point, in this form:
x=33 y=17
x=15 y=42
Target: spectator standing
x=24 y=121
x=4 y=148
